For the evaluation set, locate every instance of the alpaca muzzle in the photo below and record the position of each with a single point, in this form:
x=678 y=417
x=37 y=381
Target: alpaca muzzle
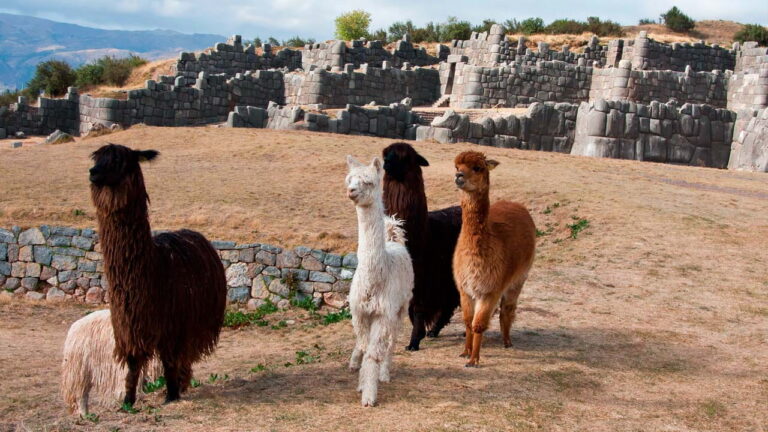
x=459 y=180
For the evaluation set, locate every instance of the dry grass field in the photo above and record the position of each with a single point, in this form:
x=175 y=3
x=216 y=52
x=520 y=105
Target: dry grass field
x=653 y=318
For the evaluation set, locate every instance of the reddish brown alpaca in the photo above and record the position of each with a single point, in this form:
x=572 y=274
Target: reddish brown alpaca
x=494 y=253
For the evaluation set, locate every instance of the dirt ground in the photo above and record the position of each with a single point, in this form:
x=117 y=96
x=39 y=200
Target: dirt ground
x=654 y=318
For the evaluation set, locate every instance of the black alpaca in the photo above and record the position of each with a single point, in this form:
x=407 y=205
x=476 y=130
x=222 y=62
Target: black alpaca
x=431 y=239
x=167 y=292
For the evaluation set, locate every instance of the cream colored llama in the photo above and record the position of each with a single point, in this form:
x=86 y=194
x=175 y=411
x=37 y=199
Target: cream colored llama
x=383 y=283
x=89 y=372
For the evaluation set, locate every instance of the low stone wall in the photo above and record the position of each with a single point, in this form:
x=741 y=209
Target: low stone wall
x=691 y=135
x=546 y=127
x=48 y=116
x=518 y=85
x=393 y=121
x=61 y=263
x=233 y=57
x=749 y=151
x=383 y=86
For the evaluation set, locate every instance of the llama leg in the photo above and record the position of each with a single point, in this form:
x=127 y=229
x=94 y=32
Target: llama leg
x=361 y=327
x=485 y=308
x=507 y=314
x=443 y=318
x=135 y=365
x=419 y=328
x=374 y=355
x=171 y=380
x=82 y=404
x=384 y=375
x=468 y=313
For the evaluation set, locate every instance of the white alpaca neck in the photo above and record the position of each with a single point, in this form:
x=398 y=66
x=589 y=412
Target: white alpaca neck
x=371 y=237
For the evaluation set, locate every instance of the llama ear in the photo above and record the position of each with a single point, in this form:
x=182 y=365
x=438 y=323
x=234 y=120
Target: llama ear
x=147 y=155
x=352 y=162
x=376 y=163
x=491 y=164
x=421 y=161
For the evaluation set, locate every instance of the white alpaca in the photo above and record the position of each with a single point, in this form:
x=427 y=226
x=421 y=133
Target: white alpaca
x=89 y=372
x=383 y=283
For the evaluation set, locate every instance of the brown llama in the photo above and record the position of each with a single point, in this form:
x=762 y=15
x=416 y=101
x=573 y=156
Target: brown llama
x=494 y=254
x=431 y=239
x=167 y=292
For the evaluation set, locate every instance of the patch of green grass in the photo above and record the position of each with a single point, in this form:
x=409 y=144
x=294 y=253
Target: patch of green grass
x=334 y=317
x=91 y=417
x=153 y=386
x=280 y=324
x=195 y=383
x=128 y=409
x=258 y=368
x=236 y=319
x=78 y=212
x=578 y=226
x=547 y=210
x=303 y=357
x=216 y=377
x=305 y=302
x=540 y=233
x=713 y=408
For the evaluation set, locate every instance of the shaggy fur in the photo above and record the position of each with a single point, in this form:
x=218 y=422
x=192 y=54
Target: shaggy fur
x=432 y=239
x=383 y=283
x=89 y=373
x=168 y=293
x=495 y=252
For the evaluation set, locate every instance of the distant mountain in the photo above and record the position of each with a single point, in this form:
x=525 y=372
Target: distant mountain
x=26 y=41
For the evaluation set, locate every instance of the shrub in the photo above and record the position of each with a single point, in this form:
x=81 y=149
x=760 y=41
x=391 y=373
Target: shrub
x=257 y=42
x=53 y=77
x=273 y=42
x=399 y=28
x=117 y=70
x=485 y=26
x=380 y=35
x=428 y=33
x=752 y=32
x=604 y=28
x=8 y=97
x=531 y=25
x=89 y=74
x=644 y=21
x=297 y=42
x=353 y=25
x=455 y=29
x=565 y=26
x=677 y=21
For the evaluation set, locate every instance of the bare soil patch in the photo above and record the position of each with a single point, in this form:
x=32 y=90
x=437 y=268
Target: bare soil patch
x=652 y=318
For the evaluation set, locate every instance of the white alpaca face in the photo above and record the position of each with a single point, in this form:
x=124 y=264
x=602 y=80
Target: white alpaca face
x=363 y=181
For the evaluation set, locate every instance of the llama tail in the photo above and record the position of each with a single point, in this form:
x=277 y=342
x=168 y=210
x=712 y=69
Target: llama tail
x=394 y=230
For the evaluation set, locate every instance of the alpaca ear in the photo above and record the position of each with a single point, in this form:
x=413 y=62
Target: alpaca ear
x=376 y=163
x=491 y=164
x=421 y=161
x=352 y=162
x=147 y=155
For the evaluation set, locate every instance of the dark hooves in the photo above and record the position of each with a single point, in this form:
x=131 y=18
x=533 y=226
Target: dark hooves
x=471 y=365
x=432 y=334
x=412 y=348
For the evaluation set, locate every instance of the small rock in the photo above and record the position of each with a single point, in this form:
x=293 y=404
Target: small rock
x=93 y=295
x=16 y=144
x=55 y=294
x=254 y=303
x=32 y=295
x=283 y=304
x=58 y=137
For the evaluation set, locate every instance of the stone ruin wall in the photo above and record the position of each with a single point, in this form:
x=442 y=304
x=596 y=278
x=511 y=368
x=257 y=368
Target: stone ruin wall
x=62 y=263
x=749 y=151
x=233 y=57
x=545 y=127
x=692 y=134
x=48 y=116
x=382 y=86
x=646 y=53
x=335 y=55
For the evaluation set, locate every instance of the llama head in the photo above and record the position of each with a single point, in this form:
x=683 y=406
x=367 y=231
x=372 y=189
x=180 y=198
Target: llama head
x=364 y=181
x=472 y=171
x=116 y=173
x=400 y=159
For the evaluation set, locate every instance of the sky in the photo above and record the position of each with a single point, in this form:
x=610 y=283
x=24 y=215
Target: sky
x=314 y=18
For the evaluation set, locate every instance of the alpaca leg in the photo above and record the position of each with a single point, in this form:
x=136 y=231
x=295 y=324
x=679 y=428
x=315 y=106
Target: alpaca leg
x=135 y=365
x=384 y=375
x=507 y=314
x=82 y=404
x=484 y=311
x=419 y=327
x=361 y=327
x=443 y=318
x=374 y=355
x=468 y=313
x=171 y=380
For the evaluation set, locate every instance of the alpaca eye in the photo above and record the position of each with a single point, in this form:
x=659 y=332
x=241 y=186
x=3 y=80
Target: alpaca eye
x=476 y=169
